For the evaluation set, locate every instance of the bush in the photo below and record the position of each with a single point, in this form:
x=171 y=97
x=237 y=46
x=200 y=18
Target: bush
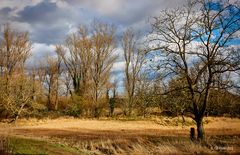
x=36 y=109
x=74 y=107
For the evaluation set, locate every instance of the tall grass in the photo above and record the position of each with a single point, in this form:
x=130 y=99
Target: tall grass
x=4 y=146
x=154 y=145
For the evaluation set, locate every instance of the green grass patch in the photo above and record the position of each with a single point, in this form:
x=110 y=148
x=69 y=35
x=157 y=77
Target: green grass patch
x=31 y=146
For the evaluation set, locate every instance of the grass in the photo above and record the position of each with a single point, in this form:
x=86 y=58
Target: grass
x=19 y=145
x=155 y=136
x=135 y=146
x=158 y=145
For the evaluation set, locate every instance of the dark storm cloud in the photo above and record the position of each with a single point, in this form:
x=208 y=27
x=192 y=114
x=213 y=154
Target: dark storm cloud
x=50 y=20
x=42 y=12
x=50 y=23
x=5 y=15
x=49 y=34
x=5 y=11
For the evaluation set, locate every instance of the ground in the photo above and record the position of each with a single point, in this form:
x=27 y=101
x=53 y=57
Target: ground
x=148 y=136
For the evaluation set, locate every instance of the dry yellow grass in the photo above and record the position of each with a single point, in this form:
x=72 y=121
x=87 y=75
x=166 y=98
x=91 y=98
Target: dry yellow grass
x=155 y=123
x=156 y=136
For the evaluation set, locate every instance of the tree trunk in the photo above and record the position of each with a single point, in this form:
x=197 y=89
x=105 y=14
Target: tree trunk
x=183 y=120
x=200 y=132
x=130 y=104
x=192 y=134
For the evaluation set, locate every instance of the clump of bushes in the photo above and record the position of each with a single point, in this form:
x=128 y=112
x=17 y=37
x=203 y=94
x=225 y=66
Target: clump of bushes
x=74 y=107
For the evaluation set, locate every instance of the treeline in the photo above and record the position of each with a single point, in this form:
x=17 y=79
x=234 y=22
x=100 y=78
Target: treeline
x=159 y=76
x=77 y=81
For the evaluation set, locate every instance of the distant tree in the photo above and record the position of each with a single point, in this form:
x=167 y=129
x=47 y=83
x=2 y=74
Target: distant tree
x=15 y=93
x=103 y=43
x=76 y=56
x=88 y=57
x=52 y=73
x=223 y=103
x=144 y=95
x=15 y=48
x=66 y=79
x=178 y=102
x=134 y=58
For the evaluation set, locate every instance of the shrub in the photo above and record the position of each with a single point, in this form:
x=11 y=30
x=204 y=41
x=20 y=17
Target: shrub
x=74 y=107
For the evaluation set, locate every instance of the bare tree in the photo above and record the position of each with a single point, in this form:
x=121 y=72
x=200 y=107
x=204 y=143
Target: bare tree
x=32 y=74
x=76 y=55
x=143 y=95
x=134 y=58
x=67 y=82
x=52 y=72
x=18 y=96
x=196 y=43
x=103 y=45
x=15 y=48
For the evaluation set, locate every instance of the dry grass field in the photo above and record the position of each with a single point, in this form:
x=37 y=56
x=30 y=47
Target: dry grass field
x=152 y=136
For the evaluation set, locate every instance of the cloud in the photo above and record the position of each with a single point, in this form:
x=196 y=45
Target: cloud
x=50 y=19
x=125 y=12
x=40 y=52
x=42 y=49
x=42 y=12
x=17 y=5
x=118 y=66
x=5 y=11
x=54 y=34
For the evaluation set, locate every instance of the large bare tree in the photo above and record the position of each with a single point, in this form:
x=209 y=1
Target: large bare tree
x=196 y=42
x=134 y=58
x=15 y=48
x=76 y=55
x=103 y=45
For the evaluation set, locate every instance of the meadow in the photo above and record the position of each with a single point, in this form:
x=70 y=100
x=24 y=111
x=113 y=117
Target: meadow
x=162 y=135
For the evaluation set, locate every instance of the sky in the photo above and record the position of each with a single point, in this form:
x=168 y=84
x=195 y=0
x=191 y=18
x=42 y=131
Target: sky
x=50 y=21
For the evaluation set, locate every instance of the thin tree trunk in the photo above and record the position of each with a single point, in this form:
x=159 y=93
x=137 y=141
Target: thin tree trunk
x=200 y=132
x=56 y=97
x=183 y=120
x=130 y=102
